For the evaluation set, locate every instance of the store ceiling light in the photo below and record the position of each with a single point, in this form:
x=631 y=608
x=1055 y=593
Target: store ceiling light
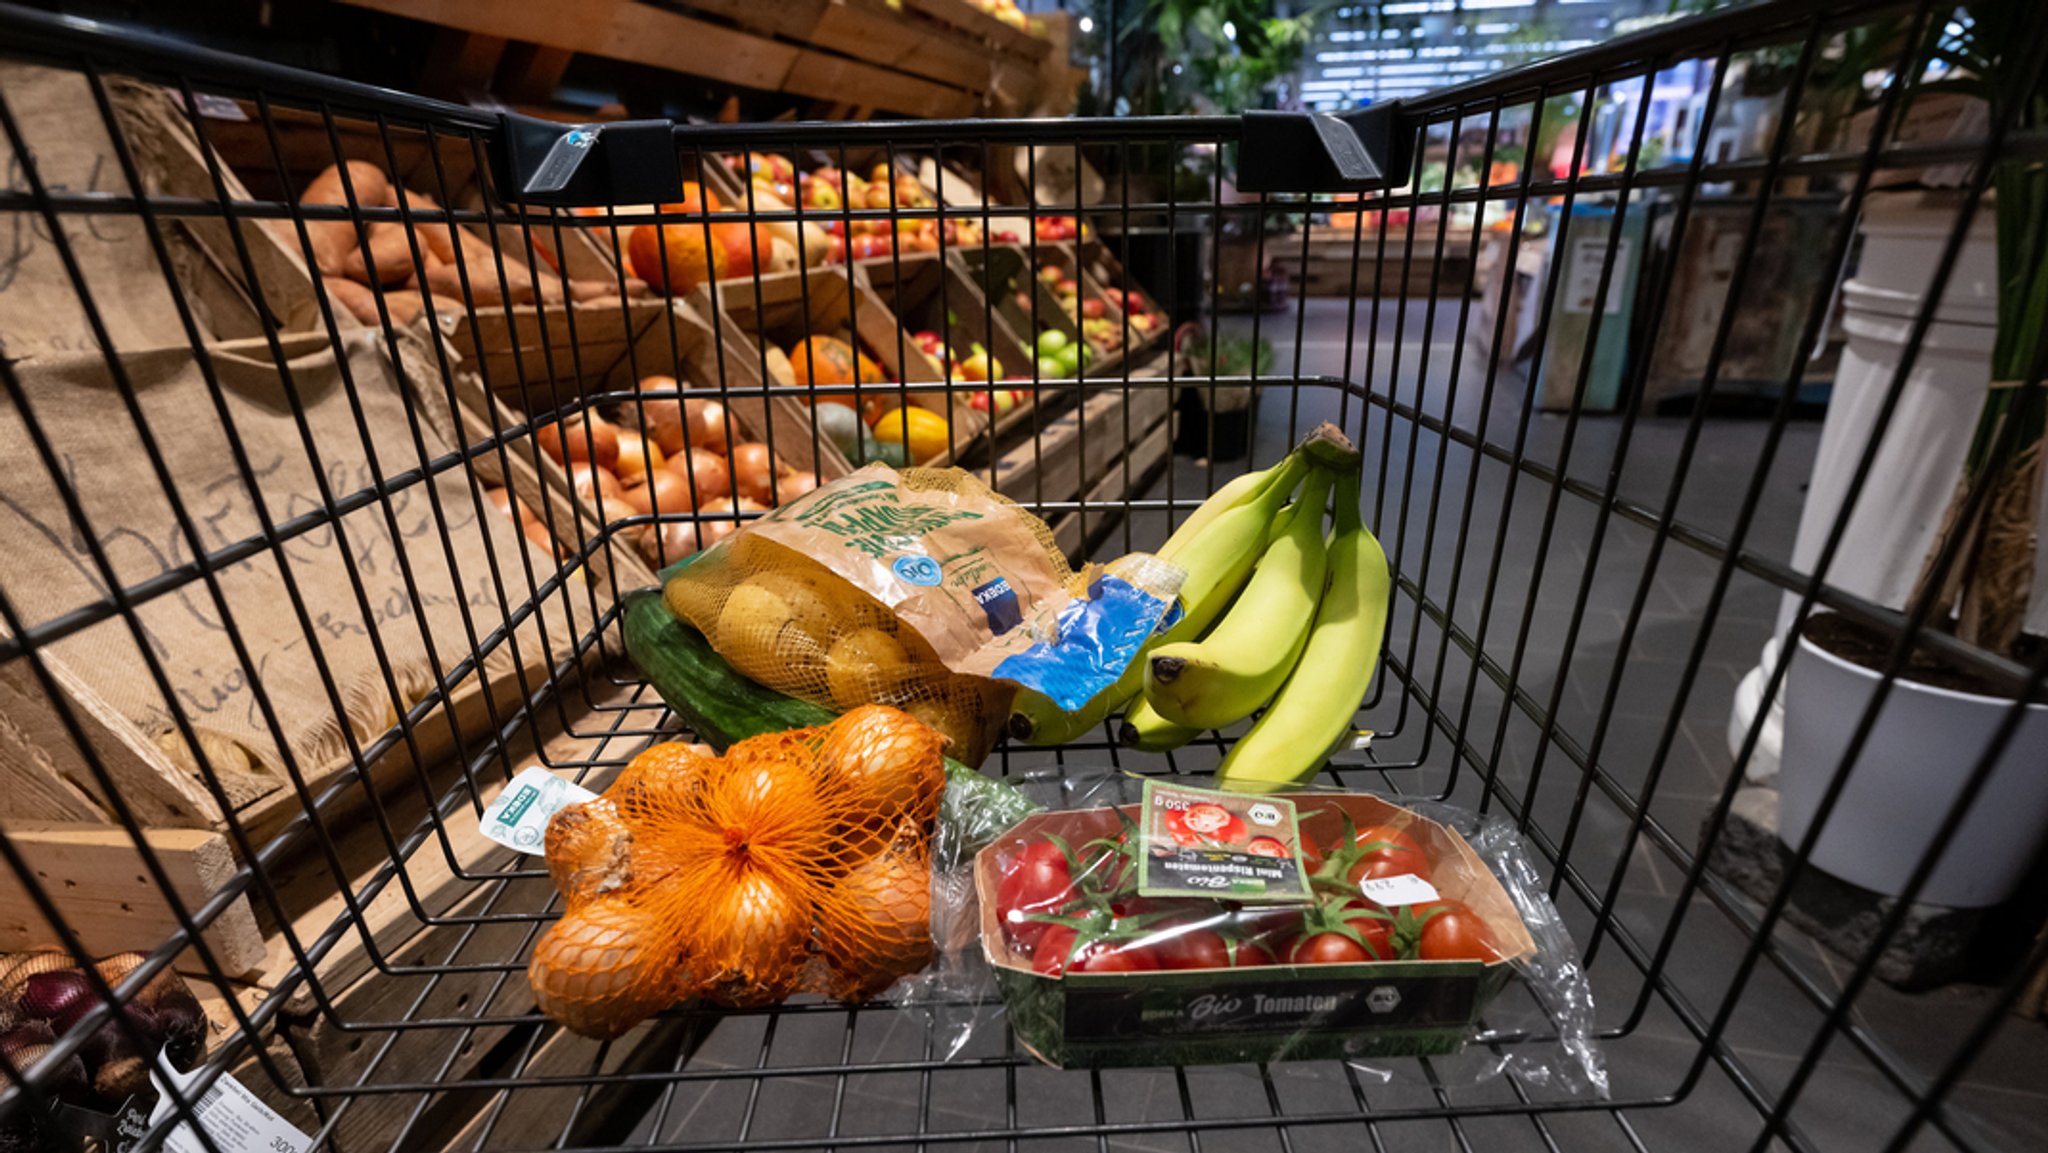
x=1086 y=24
x=1230 y=31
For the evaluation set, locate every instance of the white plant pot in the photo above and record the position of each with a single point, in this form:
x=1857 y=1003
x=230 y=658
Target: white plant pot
x=1911 y=769
x=1893 y=525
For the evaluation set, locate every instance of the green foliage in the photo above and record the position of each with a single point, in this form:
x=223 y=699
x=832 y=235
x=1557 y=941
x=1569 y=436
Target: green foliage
x=1981 y=53
x=1218 y=73
x=1235 y=355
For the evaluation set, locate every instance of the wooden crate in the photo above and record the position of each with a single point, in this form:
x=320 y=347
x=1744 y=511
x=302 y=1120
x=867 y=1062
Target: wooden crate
x=839 y=302
x=769 y=50
x=56 y=803
x=684 y=346
x=349 y=1035
x=1003 y=273
x=1086 y=450
x=1329 y=266
x=931 y=294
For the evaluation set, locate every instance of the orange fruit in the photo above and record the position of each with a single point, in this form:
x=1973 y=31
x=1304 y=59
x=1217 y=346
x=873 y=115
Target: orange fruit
x=673 y=258
x=823 y=360
x=747 y=249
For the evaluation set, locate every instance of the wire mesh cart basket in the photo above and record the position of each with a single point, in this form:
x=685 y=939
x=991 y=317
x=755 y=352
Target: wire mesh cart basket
x=302 y=567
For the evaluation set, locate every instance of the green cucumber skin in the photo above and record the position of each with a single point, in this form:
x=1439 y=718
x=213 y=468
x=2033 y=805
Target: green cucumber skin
x=718 y=704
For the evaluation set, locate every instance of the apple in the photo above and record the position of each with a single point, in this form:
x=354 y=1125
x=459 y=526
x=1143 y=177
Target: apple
x=1094 y=309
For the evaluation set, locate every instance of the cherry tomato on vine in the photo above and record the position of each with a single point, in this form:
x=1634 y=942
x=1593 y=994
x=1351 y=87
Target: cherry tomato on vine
x=1252 y=954
x=1377 y=931
x=1453 y=932
x=1189 y=947
x=1049 y=956
x=1037 y=880
x=1113 y=957
x=1327 y=949
x=1397 y=853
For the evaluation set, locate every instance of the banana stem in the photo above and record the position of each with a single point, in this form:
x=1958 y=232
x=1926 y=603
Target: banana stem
x=1348 y=515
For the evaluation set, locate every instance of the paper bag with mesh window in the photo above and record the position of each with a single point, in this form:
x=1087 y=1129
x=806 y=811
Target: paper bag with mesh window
x=922 y=589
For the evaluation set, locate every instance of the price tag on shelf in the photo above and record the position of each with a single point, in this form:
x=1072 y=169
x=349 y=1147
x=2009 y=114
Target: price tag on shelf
x=237 y=1120
x=1406 y=889
x=518 y=819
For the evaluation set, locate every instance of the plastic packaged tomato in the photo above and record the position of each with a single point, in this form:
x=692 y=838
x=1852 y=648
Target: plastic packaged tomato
x=1143 y=921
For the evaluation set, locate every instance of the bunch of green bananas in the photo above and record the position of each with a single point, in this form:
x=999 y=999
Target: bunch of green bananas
x=1274 y=615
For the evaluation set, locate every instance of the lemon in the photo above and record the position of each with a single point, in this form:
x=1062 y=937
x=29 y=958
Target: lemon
x=921 y=431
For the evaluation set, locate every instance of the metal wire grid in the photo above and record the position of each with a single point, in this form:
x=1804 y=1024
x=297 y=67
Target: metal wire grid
x=1448 y=672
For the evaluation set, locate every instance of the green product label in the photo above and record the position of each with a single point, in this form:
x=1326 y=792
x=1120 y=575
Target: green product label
x=1200 y=843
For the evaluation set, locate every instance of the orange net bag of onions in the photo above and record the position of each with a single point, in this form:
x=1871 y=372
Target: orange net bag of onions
x=797 y=862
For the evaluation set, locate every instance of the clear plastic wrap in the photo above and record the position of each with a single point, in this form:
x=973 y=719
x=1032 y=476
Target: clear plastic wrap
x=1048 y=927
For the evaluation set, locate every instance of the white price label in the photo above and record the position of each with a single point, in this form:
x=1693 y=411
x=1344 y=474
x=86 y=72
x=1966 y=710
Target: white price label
x=236 y=1119
x=518 y=819
x=1406 y=889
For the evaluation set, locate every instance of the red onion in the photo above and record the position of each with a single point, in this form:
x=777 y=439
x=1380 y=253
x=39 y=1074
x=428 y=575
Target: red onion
x=60 y=997
x=17 y=969
x=27 y=1046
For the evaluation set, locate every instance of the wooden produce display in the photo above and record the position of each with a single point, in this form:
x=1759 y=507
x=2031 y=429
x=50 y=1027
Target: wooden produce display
x=794 y=312
x=1110 y=445
x=1343 y=262
x=930 y=58
x=359 y=410
x=937 y=301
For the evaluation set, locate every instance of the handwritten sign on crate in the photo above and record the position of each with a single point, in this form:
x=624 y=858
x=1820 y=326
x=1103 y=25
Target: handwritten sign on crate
x=339 y=583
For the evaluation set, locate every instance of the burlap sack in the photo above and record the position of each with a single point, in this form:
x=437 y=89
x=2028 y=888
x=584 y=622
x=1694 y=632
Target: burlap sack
x=418 y=568
x=72 y=152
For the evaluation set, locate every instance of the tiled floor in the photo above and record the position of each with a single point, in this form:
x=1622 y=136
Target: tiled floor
x=1509 y=555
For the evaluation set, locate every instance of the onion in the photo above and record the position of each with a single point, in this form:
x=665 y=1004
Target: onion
x=597 y=972
x=582 y=437
x=664 y=492
x=707 y=425
x=661 y=419
x=890 y=897
x=715 y=528
x=794 y=484
x=60 y=997
x=537 y=533
x=115 y=1053
x=17 y=969
x=706 y=469
x=636 y=456
x=26 y=1045
x=752 y=948
x=614 y=509
x=508 y=505
x=882 y=763
x=671 y=541
x=594 y=481
x=752 y=472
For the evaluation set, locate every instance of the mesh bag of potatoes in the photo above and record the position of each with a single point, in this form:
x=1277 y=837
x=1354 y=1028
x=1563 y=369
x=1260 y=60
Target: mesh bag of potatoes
x=924 y=590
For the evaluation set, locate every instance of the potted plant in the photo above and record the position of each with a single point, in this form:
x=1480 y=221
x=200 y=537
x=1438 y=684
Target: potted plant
x=1938 y=719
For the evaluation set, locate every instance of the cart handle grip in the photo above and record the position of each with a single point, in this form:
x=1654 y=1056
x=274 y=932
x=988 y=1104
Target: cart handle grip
x=1363 y=151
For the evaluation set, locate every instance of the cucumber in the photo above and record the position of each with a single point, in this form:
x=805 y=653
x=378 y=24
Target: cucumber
x=719 y=704
x=721 y=707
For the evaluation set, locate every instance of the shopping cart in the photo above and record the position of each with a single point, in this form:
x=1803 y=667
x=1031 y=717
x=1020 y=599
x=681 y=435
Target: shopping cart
x=360 y=950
